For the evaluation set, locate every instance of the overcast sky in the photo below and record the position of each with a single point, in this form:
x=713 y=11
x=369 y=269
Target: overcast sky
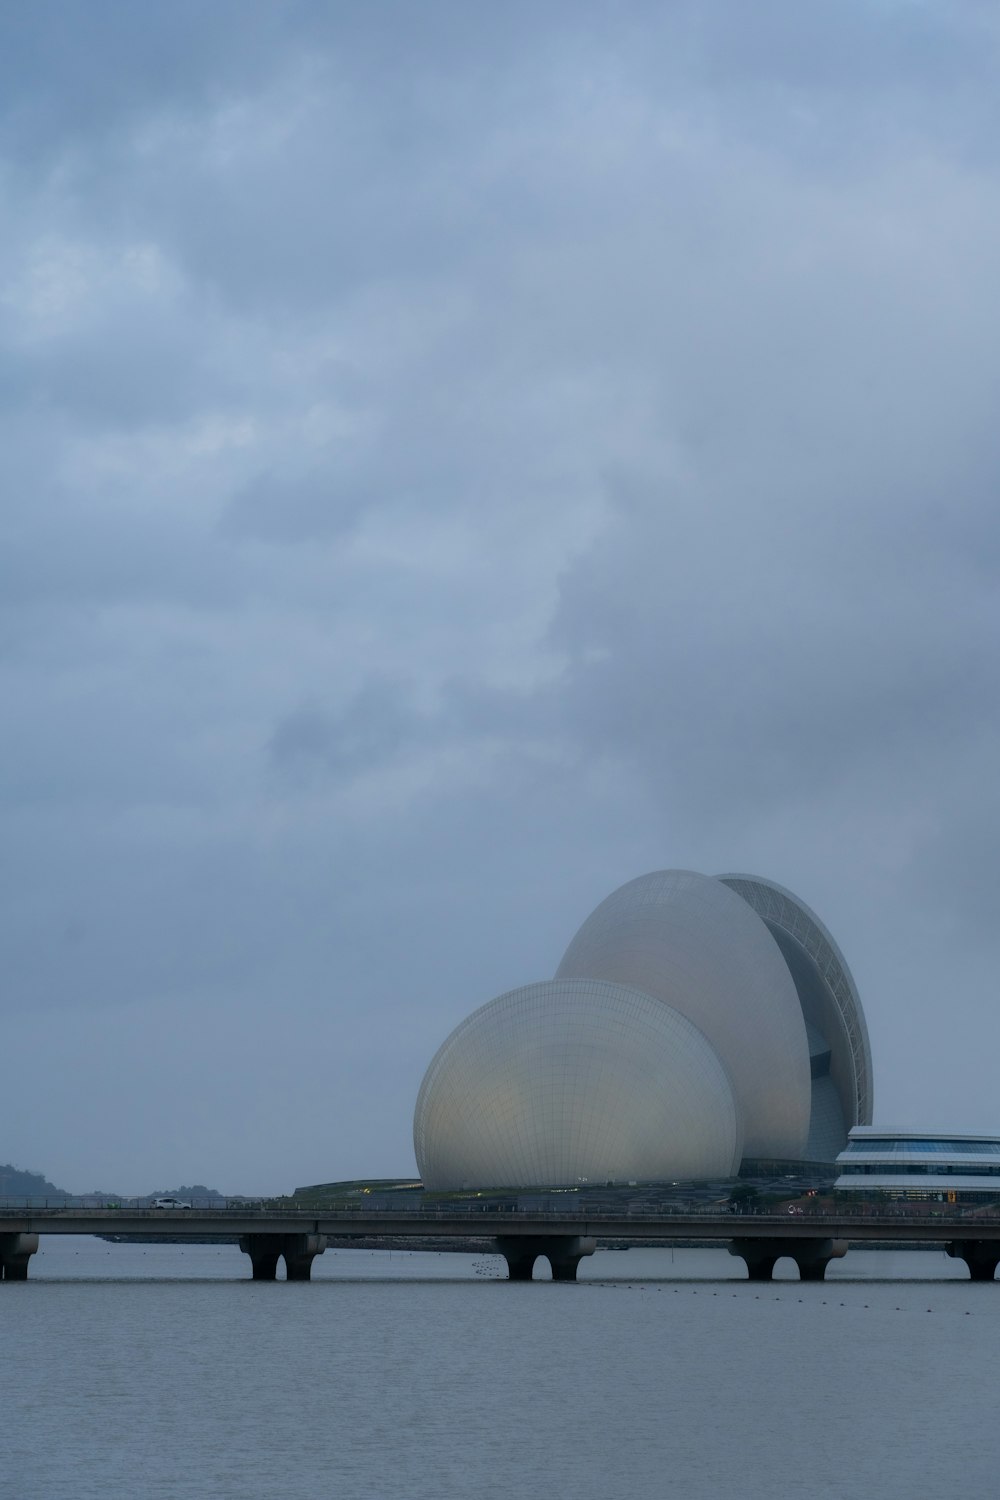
x=456 y=458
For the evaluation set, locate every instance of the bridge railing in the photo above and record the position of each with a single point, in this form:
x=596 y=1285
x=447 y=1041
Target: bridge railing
x=478 y=1214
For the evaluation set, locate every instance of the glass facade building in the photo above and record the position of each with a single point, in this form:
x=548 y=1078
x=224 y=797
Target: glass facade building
x=899 y=1164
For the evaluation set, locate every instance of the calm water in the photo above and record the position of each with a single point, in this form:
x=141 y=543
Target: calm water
x=134 y=1371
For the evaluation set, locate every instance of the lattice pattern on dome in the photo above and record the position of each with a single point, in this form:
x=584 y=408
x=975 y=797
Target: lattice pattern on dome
x=570 y=1080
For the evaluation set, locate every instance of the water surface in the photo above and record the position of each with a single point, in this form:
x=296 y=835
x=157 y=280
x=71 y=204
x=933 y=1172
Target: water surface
x=164 y=1371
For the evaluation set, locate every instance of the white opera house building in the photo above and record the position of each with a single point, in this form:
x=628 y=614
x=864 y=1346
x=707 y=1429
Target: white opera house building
x=695 y=1024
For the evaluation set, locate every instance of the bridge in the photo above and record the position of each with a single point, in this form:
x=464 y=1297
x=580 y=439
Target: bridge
x=267 y=1233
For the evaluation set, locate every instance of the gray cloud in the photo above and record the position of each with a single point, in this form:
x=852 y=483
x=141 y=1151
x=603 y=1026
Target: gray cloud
x=373 y=727
x=270 y=509
x=452 y=463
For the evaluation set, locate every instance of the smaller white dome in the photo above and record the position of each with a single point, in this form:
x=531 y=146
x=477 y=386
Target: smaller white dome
x=571 y=1080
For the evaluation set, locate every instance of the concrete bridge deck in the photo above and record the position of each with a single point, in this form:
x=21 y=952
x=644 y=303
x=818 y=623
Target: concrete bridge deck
x=267 y=1234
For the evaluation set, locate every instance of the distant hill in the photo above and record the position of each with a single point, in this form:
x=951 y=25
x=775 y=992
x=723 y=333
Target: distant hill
x=17 y=1184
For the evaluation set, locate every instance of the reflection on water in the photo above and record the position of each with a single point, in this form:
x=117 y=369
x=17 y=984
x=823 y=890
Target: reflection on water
x=85 y=1258
x=164 y=1371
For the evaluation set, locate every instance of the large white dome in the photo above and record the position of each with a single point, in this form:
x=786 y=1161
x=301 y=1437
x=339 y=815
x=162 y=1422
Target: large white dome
x=696 y=946
x=571 y=1080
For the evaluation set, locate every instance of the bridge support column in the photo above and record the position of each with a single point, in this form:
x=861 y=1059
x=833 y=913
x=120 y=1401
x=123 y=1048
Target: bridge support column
x=758 y=1255
x=15 y=1252
x=564 y=1253
x=264 y=1251
x=811 y=1256
x=520 y=1259
x=981 y=1256
x=300 y=1250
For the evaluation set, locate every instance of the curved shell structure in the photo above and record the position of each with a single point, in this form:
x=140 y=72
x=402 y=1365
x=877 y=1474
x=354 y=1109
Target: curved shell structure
x=695 y=945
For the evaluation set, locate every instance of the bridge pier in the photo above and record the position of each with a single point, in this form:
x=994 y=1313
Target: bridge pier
x=563 y=1252
x=264 y=1251
x=811 y=1256
x=981 y=1256
x=299 y=1252
x=758 y=1256
x=15 y=1252
x=520 y=1259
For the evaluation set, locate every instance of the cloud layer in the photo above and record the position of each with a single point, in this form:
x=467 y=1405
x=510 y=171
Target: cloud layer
x=453 y=463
